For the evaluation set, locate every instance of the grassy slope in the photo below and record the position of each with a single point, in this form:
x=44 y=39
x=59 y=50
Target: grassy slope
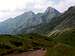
x=65 y=44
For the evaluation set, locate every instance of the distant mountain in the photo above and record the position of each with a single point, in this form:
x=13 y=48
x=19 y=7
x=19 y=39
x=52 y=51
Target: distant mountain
x=45 y=17
x=43 y=23
x=27 y=22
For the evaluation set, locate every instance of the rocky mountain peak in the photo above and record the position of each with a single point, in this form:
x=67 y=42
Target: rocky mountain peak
x=51 y=10
x=28 y=13
x=72 y=8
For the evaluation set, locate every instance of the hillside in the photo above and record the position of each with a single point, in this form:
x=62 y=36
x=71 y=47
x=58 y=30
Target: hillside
x=65 y=43
x=58 y=44
x=68 y=19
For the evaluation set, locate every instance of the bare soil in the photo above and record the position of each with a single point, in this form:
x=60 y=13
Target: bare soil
x=39 y=52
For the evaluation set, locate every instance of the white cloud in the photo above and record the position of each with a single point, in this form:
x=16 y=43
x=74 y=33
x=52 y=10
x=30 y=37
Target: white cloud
x=14 y=7
x=10 y=8
x=15 y=4
x=64 y=5
x=38 y=5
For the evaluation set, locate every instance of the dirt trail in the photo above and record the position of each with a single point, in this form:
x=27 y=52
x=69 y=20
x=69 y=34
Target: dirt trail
x=31 y=53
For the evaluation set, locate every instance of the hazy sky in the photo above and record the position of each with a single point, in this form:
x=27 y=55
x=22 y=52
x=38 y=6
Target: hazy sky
x=10 y=8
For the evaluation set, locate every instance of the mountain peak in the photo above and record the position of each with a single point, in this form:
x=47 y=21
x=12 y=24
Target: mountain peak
x=51 y=10
x=30 y=12
x=72 y=8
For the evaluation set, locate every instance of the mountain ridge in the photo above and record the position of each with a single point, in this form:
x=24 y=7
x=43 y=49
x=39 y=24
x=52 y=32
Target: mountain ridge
x=27 y=19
